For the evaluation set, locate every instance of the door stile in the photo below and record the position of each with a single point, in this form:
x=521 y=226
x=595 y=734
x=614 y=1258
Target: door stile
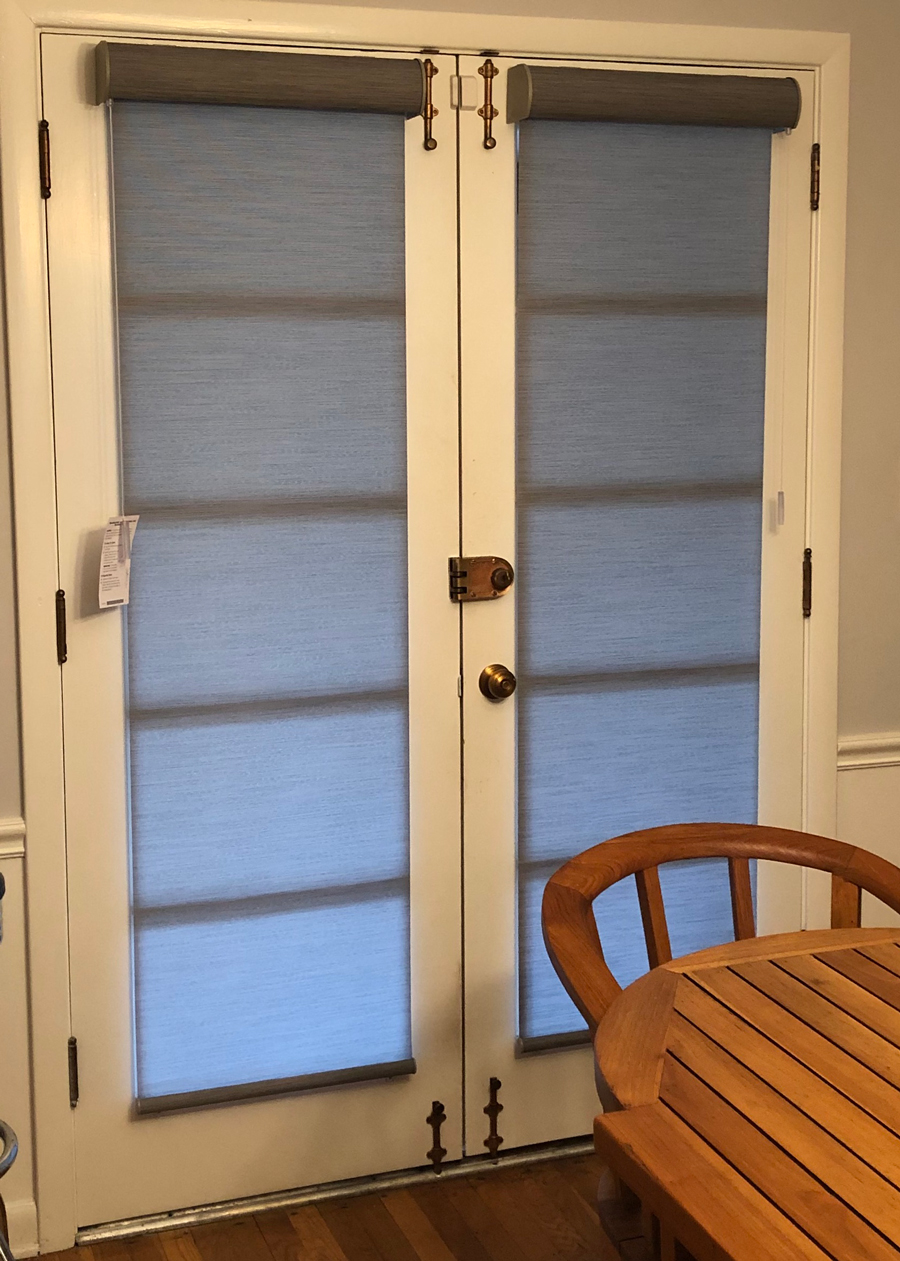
x=550 y=1095
x=125 y=1167
x=783 y=666
x=532 y=1104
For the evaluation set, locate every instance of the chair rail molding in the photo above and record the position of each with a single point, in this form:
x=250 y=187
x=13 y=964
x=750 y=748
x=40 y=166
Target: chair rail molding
x=860 y=752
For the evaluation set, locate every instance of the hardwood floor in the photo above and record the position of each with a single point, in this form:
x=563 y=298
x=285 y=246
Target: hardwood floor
x=540 y=1212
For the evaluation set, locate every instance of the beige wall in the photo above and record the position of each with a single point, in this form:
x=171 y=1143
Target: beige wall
x=870 y=595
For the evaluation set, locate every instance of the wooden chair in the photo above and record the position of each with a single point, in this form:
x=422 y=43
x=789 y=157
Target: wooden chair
x=573 y=942
x=570 y=930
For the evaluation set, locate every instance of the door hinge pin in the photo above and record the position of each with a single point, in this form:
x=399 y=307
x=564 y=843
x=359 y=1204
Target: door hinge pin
x=44 y=156
x=807 y=581
x=815 y=167
x=61 y=646
x=492 y=1112
x=436 y=1119
x=488 y=111
x=73 y=1072
x=429 y=110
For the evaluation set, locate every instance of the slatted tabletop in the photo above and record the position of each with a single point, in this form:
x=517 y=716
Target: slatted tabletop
x=759 y=1087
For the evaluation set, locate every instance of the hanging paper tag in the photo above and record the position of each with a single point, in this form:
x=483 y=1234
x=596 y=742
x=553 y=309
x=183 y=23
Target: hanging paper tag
x=115 y=561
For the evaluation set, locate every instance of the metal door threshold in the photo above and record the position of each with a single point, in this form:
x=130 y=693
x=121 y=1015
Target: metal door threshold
x=185 y=1217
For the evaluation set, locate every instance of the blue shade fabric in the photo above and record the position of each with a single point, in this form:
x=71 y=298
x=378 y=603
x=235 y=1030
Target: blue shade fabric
x=261 y=299
x=641 y=324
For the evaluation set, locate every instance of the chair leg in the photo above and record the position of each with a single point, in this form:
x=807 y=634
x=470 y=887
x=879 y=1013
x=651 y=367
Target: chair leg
x=666 y=1244
x=620 y=1215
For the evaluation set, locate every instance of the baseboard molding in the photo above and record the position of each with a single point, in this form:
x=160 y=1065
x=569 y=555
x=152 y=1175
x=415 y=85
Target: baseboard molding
x=12 y=837
x=21 y=1217
x=860 y=752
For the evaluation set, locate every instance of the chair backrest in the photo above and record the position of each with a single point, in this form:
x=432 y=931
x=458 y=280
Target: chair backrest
x=570 y=929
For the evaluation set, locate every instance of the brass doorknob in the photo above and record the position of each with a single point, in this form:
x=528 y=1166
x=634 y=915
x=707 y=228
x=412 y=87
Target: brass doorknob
x=497 y=683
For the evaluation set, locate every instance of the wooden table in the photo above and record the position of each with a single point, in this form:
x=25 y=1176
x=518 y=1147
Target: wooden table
x=758 y=1094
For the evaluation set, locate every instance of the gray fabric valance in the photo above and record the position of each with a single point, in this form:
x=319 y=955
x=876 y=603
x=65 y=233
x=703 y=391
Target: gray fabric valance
x=226 y=76
x=637 y=96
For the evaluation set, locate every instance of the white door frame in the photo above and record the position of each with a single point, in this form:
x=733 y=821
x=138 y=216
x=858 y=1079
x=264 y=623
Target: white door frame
x=27 y=340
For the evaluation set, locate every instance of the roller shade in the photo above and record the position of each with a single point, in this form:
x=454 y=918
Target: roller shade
x=224 y=76
x=261 y=301
x=626 y=96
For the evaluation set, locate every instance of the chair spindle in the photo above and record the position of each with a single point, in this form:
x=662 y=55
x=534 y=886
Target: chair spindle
x=741 y=898
x=846 y=903
x=653 y=914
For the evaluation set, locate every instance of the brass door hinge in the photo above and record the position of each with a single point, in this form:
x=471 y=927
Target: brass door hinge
x=479 y=578
x=44 y=156
x=61 y=645
x=488 y=111
x=807 y=581
x=429 y=109
x=73 y=1072
x=815 y=171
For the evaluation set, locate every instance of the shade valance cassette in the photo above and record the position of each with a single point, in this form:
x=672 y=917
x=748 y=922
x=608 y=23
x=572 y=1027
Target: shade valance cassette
x=228 y=76
x=638 y=96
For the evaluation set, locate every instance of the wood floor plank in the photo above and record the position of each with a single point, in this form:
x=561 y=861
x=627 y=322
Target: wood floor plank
x=146 y=1248
x=498 y=1244
x=832 y=1063
x=425 y=1240
x=866 y=973
x=237 y=1240
x=781 y=1179
x=139 y=1248
x=573 y=1208
x=874 y=1198
x=444 y=1220
x=826 y=1106
x=677 y=1173
x=343 y=1219
x=384 y=1232
x=179 y=1245
x=281 y=1238
x=836 y=1025
x=868 y=1009
x=316 y=1240
x=591 y=1179
x=436 y=1203
x=571 y=1236
x=603 y=1196
x=536 y=1238
x=885 y=953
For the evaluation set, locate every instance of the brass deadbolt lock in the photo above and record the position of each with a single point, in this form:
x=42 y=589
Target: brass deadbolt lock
x=497 y=683
x=479 y=578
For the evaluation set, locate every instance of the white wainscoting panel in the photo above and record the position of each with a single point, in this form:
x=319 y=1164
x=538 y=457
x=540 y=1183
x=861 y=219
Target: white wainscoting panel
x=15 y=1072
x=868 y=806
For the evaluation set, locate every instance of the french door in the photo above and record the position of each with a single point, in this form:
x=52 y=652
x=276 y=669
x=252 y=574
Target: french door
x=317 y=355
x=263 y=879
x=634 y=401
